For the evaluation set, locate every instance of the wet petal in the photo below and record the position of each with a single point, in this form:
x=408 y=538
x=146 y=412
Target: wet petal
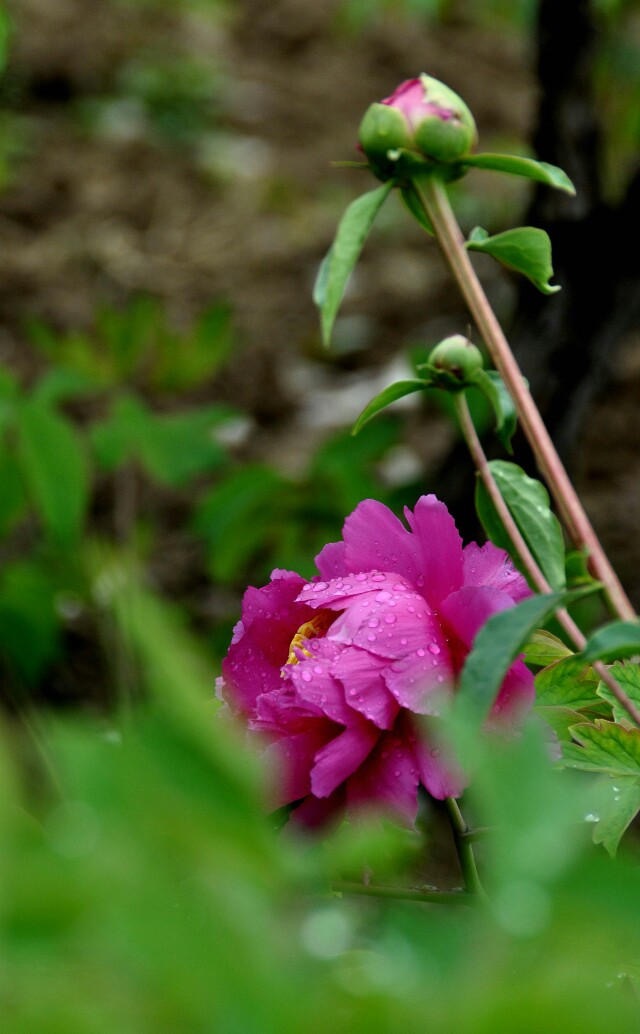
x=389 y=778
x=440 y=548
x=424 y=677
x=290 y=760
x=490 y=566
x=336 y=761
x=315 y=683
x=376 y=539
x=440 y=774
x=331 y=561
x=364 y=688
x=391 y=623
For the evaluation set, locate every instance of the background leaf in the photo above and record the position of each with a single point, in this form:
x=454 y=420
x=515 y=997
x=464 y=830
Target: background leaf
x=617 y=802
x=343 y=254
x=567 y=683
x=628 y=678
x=526 y=250
x=604 y=747
x=55 y=469
x=528 y=503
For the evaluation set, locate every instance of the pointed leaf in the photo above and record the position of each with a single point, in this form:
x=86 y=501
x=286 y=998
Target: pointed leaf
x=613 y=642
x=55 y=469
x=628 y=678
x=617 y=804
x=528 y=502
x=526 y=249
x=530 y=168
x=390 y=394
x=490 y=383
x=496 y=647
x=343 y=254
x=567 y=683
x=545 y=648
x=604 y=747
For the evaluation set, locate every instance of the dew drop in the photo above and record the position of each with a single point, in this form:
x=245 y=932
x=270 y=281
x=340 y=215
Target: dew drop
x=373 y=622
x=420 y=652
x=591 y=817
x=318 y=669
x=403 y=642
x=420 y=580
x=306 y=675
x=390 y=619
x=377 y=577
x=434 y=649
x=318 y=586
x=361 y=576
x=440 y=678
x=383 y=596
x=371 y=638
x=396 y=773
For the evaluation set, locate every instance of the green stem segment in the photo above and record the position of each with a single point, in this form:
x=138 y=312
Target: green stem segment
x=529 y=562
x=464 y=848
x=434 y=197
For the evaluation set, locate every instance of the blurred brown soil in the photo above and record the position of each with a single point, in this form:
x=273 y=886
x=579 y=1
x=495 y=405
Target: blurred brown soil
x=93 y=218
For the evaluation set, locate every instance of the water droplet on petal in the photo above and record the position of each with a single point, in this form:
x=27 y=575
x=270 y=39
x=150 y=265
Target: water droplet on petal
x=434 y=649
x=403 y=642
x=318 y=586
x=306 y=675
x=371 y=638
x=420 y=652
x=361 y=576
x=377 y=577
x=373 y=622
x=318 y=669
x=390 y=619
x=383 y=596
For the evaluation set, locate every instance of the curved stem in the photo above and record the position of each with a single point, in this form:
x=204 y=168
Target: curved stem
x=434 y=197
x=529 y=562
x=464 y=847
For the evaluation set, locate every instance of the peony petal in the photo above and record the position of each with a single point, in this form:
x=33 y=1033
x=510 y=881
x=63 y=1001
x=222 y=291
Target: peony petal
x=315 y=684
x=391 y=623
x=375 y=539
x=340 y=758
x=468 y=609
x=488 y=565
x=388 y=779
x=331 y=561
x=314 y=812
x=515 y=698
x=424 y=678
x=440 y=774
x=270 y=618
x=337 y=593
x=365 y=691
x=440 y=548
x=282 y=711
x=291 y=759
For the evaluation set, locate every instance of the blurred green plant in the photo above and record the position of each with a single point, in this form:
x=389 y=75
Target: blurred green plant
x=143 y=888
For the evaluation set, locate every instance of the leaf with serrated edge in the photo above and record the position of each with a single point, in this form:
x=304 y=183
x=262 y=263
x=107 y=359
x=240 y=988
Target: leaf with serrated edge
x=343 y=254
x=628 y=678
x=385 y=398
x=528 y=502
x=604 y=747
x=530 y=168
x=545 y=648
x=561 y=720
x=526 y=250
x=617 y=802
x=613 y=642
x=567 y=683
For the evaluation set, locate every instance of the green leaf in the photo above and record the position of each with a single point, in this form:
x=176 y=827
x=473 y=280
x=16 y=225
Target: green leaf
x=490 y=383
x=567 y=683
x=530 y=168
x=496 y=647
x=526 y=249
x=343 y=254
x=628 y=678
x=55 y=469
x=388 y=395
x=29 y=625
x=413 y=202
x=613 y=642
x=545 y=648
x=528 y=503
x=617 y=803
x=604 y=747
x=561 y=720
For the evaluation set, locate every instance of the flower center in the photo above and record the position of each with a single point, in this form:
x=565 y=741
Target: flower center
x=312 y=629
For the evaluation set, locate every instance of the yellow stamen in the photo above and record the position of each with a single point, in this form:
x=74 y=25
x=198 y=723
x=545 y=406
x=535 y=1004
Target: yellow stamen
x=312 y=629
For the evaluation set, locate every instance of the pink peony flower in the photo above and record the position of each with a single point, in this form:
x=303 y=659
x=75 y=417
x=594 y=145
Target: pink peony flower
x=344 y=676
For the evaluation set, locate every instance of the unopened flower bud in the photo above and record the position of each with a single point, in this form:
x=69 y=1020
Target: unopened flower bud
x=454 y=362
x=428 y=120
